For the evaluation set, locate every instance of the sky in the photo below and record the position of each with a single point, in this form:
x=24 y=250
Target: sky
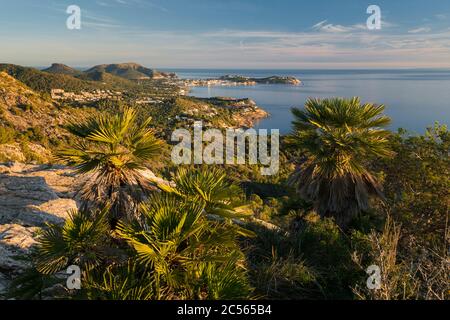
x=228 y=34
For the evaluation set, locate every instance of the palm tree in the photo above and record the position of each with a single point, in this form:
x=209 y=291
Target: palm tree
x=223 y=199
x=337 y=137
x=186 y=255
x=171 y=251
x=113 y=151
x=82 y=240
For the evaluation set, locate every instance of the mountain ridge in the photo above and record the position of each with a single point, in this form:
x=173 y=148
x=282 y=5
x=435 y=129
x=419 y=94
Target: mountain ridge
x=102 y=77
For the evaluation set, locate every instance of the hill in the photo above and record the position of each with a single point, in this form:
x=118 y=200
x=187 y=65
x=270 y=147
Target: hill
x=106 y=79
x=60 y=76
x=119 y=77
x=30 y=123
x=131 y=71
x=42 y=81
x=60 y=68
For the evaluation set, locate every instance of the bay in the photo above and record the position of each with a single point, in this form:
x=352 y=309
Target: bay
x=414 y=99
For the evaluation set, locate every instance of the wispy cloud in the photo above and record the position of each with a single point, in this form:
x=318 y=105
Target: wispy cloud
x=329 y=48
x=420 y=30
x=337 y=28
x=102 y=3
x=93 y=20
x=132 y=4
x=324 y=44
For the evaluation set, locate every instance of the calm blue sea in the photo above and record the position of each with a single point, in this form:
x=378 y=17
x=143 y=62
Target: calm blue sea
x=414 y=99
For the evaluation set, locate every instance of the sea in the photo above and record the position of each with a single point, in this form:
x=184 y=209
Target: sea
x=414 y=99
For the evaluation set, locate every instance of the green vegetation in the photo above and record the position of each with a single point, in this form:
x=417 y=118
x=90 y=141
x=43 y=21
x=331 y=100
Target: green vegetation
x=417 y=183
x=337 y=138
x=43 y=82
x=170 y=250
x=349 y=195
x=6 y=135
x=130 y=71
x=96 y=78
x=115 y=150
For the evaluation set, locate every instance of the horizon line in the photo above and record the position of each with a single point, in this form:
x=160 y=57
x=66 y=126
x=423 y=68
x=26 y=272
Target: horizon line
x=83 y=68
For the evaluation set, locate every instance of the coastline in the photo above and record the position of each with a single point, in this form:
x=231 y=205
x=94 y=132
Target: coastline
x=248 y=112
x=372 y=86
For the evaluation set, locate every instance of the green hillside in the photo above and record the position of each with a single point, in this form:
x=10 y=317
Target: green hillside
x=130 y=71
x=44 y=81
x=60 y=68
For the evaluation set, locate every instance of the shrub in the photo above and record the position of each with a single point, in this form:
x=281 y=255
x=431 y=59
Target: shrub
x=326 y=247
x=170 y=251
x=402 y=276
x=7 y=135
x=285 y=278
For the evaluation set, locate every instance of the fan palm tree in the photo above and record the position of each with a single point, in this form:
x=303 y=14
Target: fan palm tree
x=186 y=255
x=113 y=151
x=172 y=251
x=337 y=137
x=223 y=199
x=210 y=185
x=82 y=240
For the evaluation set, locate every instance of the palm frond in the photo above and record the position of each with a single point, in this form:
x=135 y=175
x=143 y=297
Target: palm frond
x=79 y=241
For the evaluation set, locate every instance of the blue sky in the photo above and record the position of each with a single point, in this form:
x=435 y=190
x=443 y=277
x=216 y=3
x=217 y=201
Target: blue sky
x=283 y=34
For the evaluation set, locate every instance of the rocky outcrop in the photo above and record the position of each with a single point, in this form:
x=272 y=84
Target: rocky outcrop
x=23 y=152
x=244 y=112
x=30 y=196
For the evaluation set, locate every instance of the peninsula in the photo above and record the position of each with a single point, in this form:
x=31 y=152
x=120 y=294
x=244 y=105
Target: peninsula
x=238 y=80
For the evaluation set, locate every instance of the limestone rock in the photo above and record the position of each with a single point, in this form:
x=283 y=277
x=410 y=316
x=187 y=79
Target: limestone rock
x=30 y=197
x=15 y=241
